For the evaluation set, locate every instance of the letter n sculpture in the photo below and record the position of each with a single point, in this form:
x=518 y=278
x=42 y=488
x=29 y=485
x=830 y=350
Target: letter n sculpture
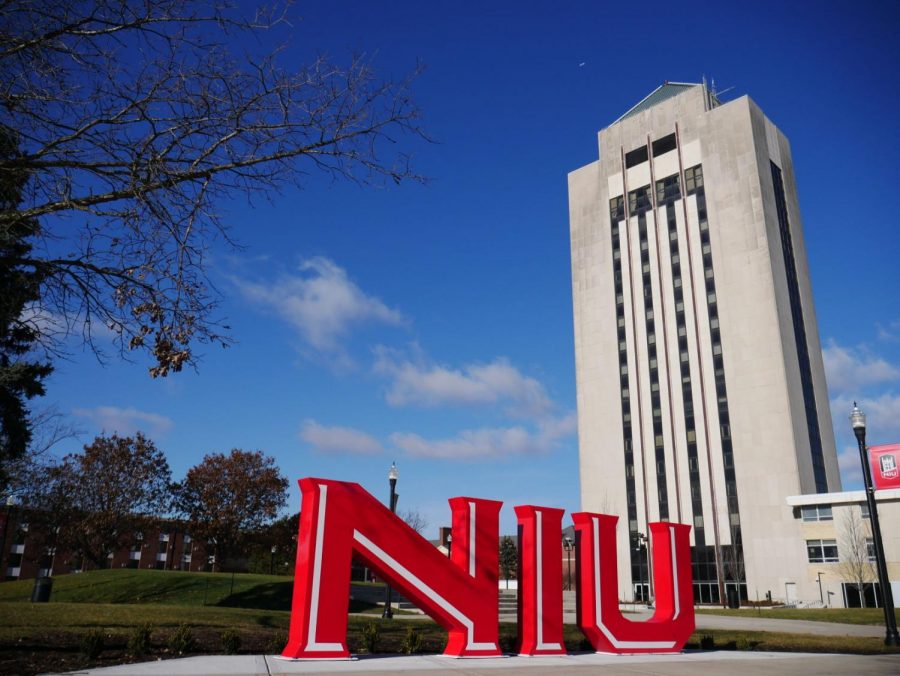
x=340 y=520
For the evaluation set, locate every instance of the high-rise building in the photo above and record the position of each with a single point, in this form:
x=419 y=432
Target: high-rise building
x=701 y=388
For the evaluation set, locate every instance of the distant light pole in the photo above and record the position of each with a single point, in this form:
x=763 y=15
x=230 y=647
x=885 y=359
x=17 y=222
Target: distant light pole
x=392 y=479
x=568 y=545
x=449 y=544
x=272 y=561
x=858 y=423
x=821 y=595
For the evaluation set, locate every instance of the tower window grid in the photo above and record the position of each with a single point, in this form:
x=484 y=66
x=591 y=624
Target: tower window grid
x=732 y=555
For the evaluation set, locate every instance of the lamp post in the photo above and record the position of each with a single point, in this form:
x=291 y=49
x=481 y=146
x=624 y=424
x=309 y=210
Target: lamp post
x=821 y=595
x=449 y=545
x=568 y=545
x=392 y=479
x=858 y=423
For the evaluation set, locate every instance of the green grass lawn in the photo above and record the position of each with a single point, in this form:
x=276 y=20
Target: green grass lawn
x=843 y=615
x=37 y=638
x=269 y=592
x=24 y=617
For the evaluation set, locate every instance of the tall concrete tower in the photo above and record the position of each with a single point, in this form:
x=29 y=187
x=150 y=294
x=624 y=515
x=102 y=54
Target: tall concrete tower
x=701 y=389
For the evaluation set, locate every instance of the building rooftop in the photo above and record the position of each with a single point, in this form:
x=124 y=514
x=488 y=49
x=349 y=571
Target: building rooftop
x=665 y=91
x=883 y=495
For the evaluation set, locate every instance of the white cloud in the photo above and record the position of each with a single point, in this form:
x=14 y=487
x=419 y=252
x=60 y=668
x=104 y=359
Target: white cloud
x=850 y=467
x=890 y=333
x=882 y=416
x=321 y=302
x=849 y=369
x=126 y=421
x=338 y=439
x=490 y=443
x=415 y=382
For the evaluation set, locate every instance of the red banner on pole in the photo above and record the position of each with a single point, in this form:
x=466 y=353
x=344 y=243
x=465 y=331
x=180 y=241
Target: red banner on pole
x=885 y=464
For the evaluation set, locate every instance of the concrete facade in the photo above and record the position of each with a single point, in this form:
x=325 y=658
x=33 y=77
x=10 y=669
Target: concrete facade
x=701 y=388
x=841 y=519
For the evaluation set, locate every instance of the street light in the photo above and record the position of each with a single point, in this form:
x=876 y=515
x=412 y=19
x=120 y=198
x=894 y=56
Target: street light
x=858 y=423
x=821 y=595
x=568 y=545
x=392 y=479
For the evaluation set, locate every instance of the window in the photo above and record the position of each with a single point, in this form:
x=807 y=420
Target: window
x=693 y=179
x=870 y=549
x=636 y=156
x=667 y=189
x=617 y=209
x=822 y=551
x=664 y=145
x=864 y=510
x=639 y=200
x=816 y=513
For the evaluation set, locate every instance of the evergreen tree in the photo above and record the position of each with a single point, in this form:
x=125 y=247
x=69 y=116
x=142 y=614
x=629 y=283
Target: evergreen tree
x=20 y=378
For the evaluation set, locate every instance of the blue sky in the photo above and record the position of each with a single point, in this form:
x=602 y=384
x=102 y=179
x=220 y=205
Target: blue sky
x=426 y=324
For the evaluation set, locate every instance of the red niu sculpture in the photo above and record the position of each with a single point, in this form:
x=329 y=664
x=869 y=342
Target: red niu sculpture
x=340 y=521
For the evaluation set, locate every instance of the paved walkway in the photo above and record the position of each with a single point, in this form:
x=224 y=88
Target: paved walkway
x=752 y=622
x=747 y=622
x=686 y=664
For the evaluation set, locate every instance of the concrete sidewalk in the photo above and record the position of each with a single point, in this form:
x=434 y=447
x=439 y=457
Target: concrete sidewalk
x=685 y=664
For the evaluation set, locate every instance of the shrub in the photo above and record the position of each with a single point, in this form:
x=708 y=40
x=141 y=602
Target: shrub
x=412 y=642
x=92 y=644
x=508 y=643
x=139 y=643
x=231 y=641
x=182 y=640
x=371 y=636
x=707 y=642
x=277 y=643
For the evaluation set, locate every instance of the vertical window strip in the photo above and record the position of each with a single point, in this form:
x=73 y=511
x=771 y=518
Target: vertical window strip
x=668 y=193
x=617 y=221
x=803 y=362
x=655 y=402
x=695 y=185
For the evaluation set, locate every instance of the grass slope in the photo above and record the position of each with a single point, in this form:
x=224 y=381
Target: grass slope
x=267 y=592
x=842 y=615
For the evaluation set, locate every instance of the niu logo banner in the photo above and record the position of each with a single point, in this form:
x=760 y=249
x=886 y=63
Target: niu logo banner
x=340 y=521
x=884 y=462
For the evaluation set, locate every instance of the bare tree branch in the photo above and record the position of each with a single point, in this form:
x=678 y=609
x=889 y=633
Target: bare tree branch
x=855 y=567
x=134 y=119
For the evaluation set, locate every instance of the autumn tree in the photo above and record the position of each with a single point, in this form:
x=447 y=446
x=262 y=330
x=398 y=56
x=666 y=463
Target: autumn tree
x=855 y=567
x=134 y=120
x=227 y=498
x=274 y=547
x=98 y=501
